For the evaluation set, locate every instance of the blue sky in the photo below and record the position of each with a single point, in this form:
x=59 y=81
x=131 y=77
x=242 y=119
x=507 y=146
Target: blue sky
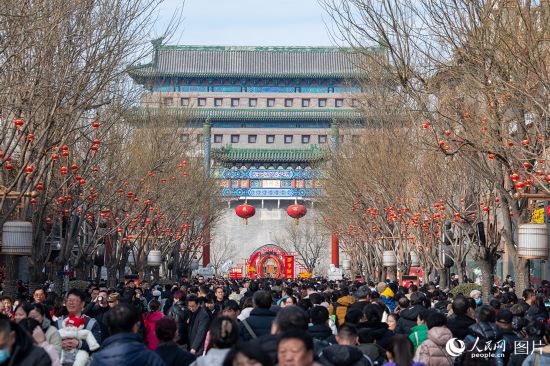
x=247 y=22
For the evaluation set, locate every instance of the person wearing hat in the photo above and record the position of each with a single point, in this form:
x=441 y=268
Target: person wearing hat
x=113 y=299
x=363 y=296
x=476 y=295
x=504 y=323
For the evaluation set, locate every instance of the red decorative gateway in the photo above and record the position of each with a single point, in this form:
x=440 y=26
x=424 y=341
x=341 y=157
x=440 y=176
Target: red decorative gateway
x=296 y=211
x=245 y=211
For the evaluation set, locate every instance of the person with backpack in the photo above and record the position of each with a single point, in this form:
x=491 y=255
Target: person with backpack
x=260 y=319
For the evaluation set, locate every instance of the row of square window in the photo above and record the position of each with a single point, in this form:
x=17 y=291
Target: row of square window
x=270 y=139
x=253 y=102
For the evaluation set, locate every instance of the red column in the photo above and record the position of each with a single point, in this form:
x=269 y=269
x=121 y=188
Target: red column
x=335 y=250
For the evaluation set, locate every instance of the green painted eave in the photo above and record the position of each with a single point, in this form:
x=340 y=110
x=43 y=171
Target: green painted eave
x=250 y=114
x=230 y=154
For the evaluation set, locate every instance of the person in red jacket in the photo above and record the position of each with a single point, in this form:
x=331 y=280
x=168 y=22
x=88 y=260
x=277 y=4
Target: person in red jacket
x=150 y=319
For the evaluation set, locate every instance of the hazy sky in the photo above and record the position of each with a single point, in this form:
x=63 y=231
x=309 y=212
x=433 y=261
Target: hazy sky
x=247 y=22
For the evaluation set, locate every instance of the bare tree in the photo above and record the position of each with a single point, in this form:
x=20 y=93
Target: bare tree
x=474 y=77
x=306 y=241
x=221 y=252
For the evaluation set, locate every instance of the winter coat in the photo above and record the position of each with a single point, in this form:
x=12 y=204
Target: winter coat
x=388 y=297
x=408 y=318
x=459 y=324
x=537 y=359
x=52 y=335
x=484 y=330
x=432 y=351
x=321 y=332
x=198 y=327
x=507 y=350
x=125 y=349
x=151 y=337
x=91 y=324
x=52 y=353
x=339 y=355
x=260 y=321
x=35 y=357
x=377 y=330
x=340 y=307
x=374 y=352
x=173 y=355
x=180 y=313
x=535 y=313
x=359 y=305
x=479 y=335
x=214 y=357
x=418 y=335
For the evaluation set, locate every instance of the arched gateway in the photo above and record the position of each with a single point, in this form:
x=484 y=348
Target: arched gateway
x=270 y=261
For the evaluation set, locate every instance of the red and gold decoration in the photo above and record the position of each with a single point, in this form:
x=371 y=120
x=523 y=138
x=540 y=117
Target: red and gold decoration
x=296 y=211
x=245 y=211
x=270 y=261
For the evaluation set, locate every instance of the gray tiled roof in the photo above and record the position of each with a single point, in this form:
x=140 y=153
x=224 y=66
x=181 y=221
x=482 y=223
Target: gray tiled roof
x=252 y=114
x=195 y=61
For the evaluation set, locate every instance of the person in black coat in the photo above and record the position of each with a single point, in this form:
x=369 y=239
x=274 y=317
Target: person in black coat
x=260 y=319
x=19 y=345
x=319 y=328
x=167 y=349
x=180 y=313
x=199 y=322
x=124 y=346
x=408 y=316
x=372 y=324
x=459 y=322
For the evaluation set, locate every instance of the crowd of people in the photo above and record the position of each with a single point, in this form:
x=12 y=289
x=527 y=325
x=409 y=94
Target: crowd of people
x=211 y=322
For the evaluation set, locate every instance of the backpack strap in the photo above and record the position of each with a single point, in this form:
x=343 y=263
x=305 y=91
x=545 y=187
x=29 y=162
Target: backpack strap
x=249 y=329
x=536 y=359
x=90 y=324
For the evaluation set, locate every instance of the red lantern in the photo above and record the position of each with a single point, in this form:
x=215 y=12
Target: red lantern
x=245 y=211
x=19 y=122
x=296 y=211
x=95 y=124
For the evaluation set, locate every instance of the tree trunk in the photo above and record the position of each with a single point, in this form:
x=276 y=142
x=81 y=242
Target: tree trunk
x=443 y=283
x=488 y=278
x=111 y=276
x=521 y=274
x=11 y=274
